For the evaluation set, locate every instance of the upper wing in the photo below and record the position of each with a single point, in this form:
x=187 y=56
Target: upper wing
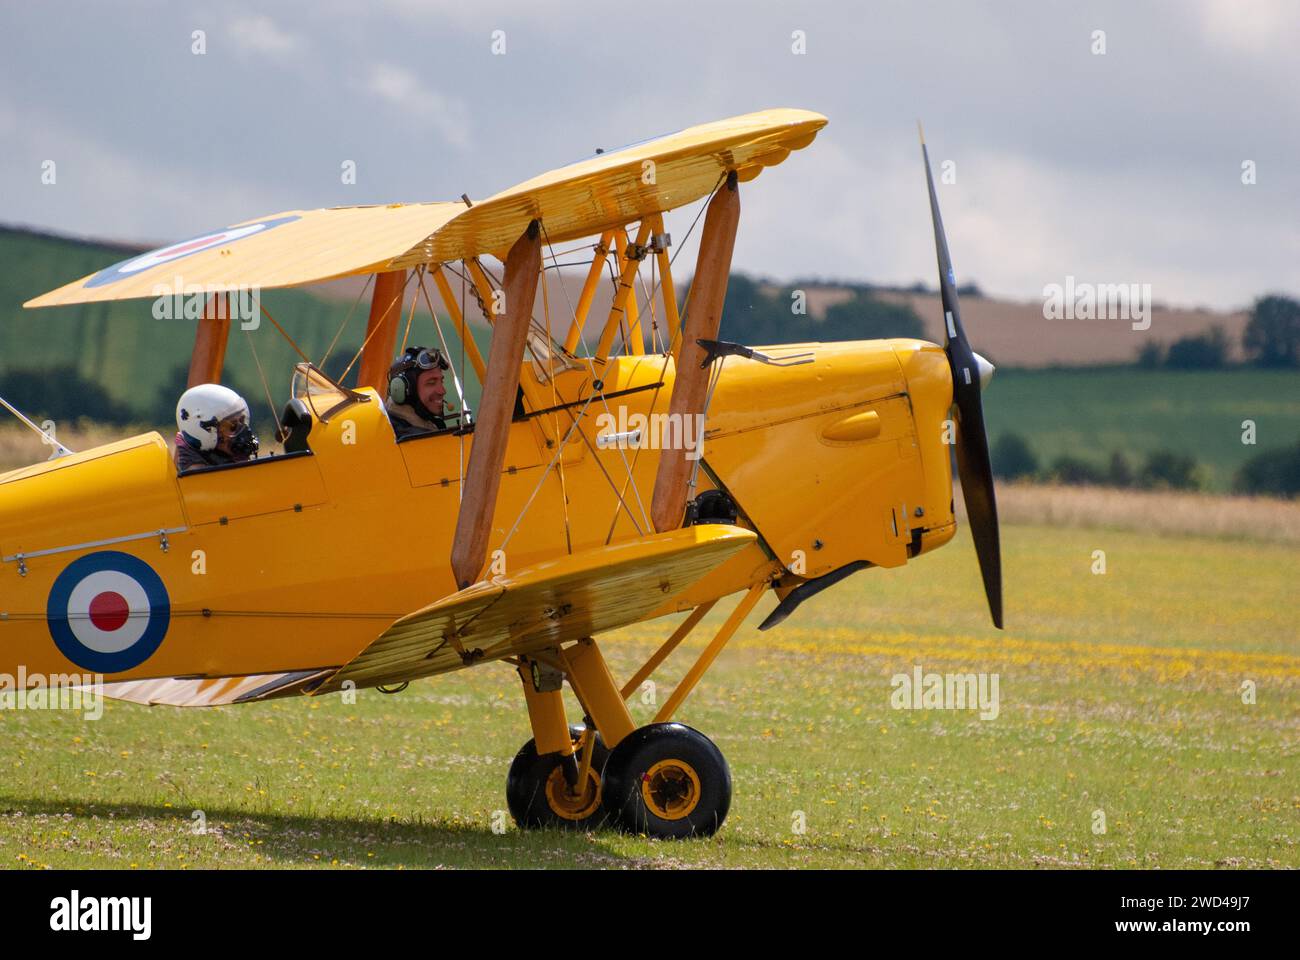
x=575 y=596
x=579 y=200
x=284 y=250
x=621 y=186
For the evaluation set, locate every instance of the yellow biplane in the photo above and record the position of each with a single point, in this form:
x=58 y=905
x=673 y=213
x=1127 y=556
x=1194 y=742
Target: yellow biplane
x=546 y=520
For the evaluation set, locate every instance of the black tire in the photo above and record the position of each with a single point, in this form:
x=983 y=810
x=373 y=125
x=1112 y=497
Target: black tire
x=667 y=780
x=532 y=804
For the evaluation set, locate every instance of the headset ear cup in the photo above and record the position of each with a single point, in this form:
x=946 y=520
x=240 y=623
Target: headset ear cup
x=397 y=389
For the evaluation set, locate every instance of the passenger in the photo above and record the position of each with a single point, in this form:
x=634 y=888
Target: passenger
x=416 y=392
x=214 y=428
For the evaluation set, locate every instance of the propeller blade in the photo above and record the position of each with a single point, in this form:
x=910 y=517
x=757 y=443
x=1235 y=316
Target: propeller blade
x=969 y=372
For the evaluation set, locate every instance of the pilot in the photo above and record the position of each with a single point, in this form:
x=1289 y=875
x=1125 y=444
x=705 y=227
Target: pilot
x=416 y=392
x=214 y=428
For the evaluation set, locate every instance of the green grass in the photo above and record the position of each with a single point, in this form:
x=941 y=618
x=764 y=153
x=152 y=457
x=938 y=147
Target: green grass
x=1119 y=693
x=1089 y=413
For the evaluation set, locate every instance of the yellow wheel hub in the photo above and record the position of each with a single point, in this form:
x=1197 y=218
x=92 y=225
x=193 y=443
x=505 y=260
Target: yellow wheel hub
x=671 y=789
x=573 y=804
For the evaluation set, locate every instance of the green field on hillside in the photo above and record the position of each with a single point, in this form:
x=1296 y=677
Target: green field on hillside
x=121 y=345
x=1122 y=738
x=1089 y=413
x=135 y=356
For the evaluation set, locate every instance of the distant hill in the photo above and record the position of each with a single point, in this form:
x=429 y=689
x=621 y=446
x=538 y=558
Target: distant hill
x=137 y=358
x=1086 y=413
x=1015 y=333
x=1008 y=332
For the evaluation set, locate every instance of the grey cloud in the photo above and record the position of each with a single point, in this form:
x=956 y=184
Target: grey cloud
x=1124 y=166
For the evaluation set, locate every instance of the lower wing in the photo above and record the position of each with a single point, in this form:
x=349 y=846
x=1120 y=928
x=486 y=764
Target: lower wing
x=575 y=596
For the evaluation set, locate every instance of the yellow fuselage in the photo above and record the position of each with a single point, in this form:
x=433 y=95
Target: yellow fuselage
x=300 y=561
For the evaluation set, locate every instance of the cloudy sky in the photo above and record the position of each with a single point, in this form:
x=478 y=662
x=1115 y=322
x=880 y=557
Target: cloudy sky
x=1125 y=166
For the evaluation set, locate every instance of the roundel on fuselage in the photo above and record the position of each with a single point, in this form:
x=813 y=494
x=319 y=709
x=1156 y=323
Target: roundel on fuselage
x=108 y=611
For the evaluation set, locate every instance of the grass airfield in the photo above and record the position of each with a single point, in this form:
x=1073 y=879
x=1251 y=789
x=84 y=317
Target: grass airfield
x=1119 y=693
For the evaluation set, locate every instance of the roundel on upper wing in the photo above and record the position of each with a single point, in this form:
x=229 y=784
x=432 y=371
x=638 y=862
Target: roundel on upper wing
x=108 y=612
x=184 y=248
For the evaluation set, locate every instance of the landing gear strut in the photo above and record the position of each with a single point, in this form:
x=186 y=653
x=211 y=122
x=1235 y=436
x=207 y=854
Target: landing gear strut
x=663 y=779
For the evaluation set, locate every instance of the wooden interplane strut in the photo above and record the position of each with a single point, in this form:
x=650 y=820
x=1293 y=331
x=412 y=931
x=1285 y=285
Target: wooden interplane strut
x=458 y=320
x=209 y=355
x=500 y=384
x=381 y=330
x=703 y=319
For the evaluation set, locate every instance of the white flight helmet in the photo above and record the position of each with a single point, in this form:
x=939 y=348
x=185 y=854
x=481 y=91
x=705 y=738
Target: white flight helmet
x=201 y=408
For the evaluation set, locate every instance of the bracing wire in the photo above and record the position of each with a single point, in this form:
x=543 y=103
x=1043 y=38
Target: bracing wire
x=605 y=403
x=613 y=523
x=378 y=326
x=550 y=360
x=346 y=320
x=266 y=385
x=410 y=317
x=455 y=375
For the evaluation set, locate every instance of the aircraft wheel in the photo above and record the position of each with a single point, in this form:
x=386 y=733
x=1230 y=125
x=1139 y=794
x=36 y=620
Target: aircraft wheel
x=538 y=794
x=667 y=780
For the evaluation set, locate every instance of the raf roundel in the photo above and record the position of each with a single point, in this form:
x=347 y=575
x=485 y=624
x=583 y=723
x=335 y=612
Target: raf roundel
x=108 y=612
x=183 y=249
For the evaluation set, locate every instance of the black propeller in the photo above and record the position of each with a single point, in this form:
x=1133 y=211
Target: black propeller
x=970 y=372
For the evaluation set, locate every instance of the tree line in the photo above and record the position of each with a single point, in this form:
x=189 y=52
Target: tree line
x=1272 y=472
x=1271 y=339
